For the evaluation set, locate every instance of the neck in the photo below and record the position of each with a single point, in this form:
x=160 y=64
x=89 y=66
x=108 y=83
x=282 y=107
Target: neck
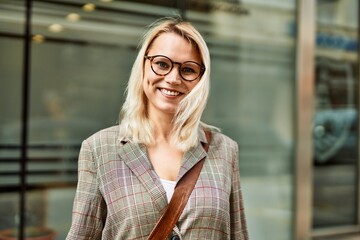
x=163 y=126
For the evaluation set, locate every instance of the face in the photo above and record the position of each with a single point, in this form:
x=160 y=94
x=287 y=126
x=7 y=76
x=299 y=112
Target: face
x=164 y=93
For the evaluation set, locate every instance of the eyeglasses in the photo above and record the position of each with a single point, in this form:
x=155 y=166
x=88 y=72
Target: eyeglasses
x=162 y=65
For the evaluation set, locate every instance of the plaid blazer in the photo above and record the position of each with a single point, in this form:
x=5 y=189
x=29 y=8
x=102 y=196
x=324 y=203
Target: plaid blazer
x=120 y=196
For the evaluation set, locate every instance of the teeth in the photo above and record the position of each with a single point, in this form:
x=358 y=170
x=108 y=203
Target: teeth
x=171 y=93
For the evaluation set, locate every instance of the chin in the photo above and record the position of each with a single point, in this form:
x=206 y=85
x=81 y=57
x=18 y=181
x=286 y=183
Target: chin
x=168 y=109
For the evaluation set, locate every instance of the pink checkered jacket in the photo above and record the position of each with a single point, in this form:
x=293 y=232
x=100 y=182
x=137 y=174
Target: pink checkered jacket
x=120 y=196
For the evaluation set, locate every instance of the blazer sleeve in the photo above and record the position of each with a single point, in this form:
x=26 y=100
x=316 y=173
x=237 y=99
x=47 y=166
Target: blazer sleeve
x=237 y=212
x=89 y=209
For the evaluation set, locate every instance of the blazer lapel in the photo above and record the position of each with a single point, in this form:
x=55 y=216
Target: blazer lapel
x=194 y=155
x=135 y=157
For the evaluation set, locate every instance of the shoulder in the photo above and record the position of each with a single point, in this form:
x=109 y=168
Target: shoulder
x=220 y=139
x=105 y=136
x=222 y=147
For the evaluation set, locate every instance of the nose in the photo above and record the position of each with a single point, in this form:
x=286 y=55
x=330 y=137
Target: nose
x=173 y=77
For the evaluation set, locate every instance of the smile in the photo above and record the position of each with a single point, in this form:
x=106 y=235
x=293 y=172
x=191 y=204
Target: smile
x=169 y=92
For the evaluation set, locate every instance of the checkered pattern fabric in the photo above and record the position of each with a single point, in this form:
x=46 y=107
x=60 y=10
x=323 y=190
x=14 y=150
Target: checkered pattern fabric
x=120 y=196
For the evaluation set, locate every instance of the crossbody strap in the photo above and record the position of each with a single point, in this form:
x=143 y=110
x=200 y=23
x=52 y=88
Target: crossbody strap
x=182 y=192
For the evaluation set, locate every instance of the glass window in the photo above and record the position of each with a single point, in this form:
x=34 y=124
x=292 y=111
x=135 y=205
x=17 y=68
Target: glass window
x=253 y=70
x=335 y=130
x=81 y=57
x=12 y=15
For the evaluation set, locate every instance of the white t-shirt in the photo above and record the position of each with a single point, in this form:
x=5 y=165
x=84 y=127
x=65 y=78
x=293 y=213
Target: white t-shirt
x=169 y=187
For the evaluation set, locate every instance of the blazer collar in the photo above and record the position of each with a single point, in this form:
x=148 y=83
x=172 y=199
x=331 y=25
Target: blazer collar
x=135 y=157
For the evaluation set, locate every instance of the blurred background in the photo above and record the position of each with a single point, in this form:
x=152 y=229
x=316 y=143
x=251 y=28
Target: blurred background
x=65 y=78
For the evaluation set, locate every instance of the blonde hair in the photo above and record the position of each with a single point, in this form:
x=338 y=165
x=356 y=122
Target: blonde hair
x=135 y=122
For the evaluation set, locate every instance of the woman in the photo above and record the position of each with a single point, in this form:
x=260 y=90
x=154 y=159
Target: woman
x=127 y=173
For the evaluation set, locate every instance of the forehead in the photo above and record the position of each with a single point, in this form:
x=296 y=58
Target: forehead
x=174 y=46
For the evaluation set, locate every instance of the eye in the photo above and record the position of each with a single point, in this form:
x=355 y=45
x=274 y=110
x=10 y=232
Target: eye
x=161 y=64
x=188 y=70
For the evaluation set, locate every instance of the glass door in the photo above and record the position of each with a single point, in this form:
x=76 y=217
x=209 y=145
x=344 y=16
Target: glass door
x=335 y=122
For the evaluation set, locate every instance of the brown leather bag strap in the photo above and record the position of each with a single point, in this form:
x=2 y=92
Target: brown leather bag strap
x=182 y=192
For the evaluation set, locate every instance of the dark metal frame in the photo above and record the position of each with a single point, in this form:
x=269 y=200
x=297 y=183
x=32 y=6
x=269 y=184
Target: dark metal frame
x=25 y=115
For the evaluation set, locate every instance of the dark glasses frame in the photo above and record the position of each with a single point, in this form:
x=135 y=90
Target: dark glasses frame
x=151 y=58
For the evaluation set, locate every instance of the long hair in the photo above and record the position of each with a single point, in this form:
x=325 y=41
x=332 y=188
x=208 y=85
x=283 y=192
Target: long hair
x=134 y=120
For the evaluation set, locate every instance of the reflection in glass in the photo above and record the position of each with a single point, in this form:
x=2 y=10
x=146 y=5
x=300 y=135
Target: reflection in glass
x=335 y=132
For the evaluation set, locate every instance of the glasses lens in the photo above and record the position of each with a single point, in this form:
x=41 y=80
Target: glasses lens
x=161 y=65
x=190 y=70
